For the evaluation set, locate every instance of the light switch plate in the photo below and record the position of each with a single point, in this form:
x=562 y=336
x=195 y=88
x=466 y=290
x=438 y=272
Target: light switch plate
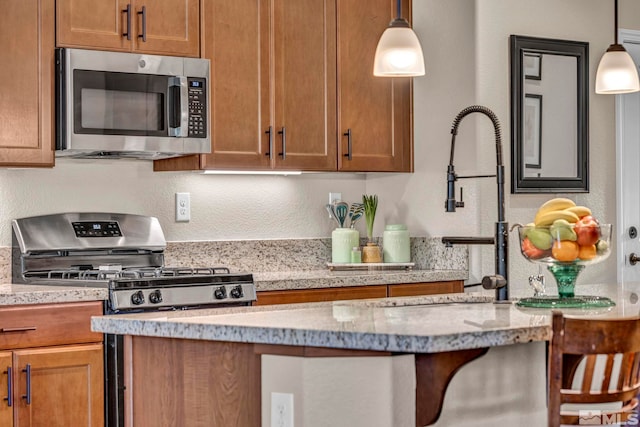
x=183 y=207
x=335 y=197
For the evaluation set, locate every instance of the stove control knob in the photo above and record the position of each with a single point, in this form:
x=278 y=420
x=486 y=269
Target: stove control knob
x=155 y=297
x=137 y=298
x=237 y=292
x=220 y=293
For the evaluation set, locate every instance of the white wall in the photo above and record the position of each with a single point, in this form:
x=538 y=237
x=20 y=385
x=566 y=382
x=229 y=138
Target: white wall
x=466 y=49
x=503 y=387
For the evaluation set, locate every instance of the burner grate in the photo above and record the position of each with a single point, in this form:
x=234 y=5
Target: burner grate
x=116 y=272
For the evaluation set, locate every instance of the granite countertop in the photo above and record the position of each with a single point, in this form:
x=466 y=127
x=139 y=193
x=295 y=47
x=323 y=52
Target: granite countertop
x=413 y=324
x=283 y=280
x=15 y=294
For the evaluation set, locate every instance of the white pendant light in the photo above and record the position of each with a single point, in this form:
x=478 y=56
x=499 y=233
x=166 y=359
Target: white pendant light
x=617 y=73
x=399 y=53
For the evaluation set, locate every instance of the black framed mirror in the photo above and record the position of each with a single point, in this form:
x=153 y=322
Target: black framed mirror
x=549 y=115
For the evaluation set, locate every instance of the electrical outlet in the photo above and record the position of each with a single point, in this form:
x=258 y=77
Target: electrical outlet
x=281 y=409
x=183 y=207
x=335 y=197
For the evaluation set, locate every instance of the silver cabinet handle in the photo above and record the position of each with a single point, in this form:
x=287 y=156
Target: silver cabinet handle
x=143 y=12
x=27 y=396
x=349 y=154
x=9 y=398
x=18 y=329
x=283 y=132
x=270 y=133
x=128 y=12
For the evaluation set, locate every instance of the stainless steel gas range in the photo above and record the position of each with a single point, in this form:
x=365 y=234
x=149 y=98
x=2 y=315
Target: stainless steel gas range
x=125 y=254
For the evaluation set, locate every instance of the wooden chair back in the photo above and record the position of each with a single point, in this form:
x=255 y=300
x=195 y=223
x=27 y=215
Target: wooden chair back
x=616 y=342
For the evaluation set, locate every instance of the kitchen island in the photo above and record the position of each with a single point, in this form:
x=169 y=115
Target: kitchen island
x=215 y=355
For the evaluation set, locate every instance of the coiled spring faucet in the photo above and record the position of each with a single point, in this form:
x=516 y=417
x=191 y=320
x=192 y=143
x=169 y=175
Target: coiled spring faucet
x=498 y=281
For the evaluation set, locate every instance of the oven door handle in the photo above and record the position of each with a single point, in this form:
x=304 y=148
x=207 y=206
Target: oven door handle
x=178 y=107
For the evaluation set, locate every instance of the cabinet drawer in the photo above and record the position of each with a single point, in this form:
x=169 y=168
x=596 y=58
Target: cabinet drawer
x=431 y=288
x=322 y=294
x=48 y=324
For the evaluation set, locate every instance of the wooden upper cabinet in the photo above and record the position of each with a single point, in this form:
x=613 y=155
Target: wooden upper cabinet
x=161 y=27
x=26 y=83
x=273 y=99
x=236 y=40
x=289 y=78
x=375 y=111
x=304 y=62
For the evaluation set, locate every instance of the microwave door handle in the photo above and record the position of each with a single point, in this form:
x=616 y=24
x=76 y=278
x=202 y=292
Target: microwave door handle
x=178 y=107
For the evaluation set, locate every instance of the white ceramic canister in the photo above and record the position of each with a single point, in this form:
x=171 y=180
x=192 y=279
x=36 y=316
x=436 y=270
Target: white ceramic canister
x=343 y=240
x=395 y=243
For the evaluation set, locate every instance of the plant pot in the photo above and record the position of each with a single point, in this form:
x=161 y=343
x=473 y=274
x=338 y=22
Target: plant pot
x=371 y=253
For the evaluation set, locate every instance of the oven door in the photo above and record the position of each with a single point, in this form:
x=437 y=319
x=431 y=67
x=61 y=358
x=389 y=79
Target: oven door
x=108 y=103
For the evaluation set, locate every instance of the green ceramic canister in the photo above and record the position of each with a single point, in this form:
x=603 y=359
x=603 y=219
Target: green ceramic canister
x=343 y=240
x=395 y=243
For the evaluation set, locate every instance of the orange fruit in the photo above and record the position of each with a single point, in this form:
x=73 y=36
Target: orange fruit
x=587 y=252
x=565 y=250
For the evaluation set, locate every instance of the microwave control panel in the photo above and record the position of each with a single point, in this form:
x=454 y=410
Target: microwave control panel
x=197 y=107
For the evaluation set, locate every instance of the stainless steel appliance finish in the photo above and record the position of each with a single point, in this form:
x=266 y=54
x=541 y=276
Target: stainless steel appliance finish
x=125 y=254
x=130 y=105
x=122 y=252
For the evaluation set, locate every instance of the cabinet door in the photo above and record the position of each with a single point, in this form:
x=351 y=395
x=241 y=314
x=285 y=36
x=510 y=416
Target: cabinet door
x=95 y=24
x=377 y=111
x=236 y=40
x=26 y=83
x=66 y=386
x=304 y=61
x=170 y=27
x=6 y=397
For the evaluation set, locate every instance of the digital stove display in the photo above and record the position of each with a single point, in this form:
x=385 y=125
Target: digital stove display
x=97 y=229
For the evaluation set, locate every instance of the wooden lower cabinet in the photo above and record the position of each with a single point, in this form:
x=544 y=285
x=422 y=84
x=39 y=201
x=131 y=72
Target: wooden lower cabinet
x=358 y=292
x=51 y=366
x=192 y=383
x=430 y=288
x=323 y=294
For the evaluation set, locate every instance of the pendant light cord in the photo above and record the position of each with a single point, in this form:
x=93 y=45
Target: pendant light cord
x=615 y=20
x=399 y=9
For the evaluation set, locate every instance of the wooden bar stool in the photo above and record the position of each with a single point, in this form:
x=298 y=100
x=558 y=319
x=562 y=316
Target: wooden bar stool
x=608 y=349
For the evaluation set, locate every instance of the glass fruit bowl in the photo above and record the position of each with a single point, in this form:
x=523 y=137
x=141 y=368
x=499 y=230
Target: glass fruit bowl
x=566 y=249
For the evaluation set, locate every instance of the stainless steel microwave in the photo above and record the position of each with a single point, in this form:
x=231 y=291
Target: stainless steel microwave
x=131 y=105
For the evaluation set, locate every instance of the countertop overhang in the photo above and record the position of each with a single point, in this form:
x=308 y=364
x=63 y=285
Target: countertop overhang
x=427 y=324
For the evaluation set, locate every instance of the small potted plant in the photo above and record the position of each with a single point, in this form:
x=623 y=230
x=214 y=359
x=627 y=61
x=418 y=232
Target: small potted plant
x=371 y=252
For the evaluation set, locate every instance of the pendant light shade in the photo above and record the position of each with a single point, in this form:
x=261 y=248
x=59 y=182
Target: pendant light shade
x=617 y=73
x=399 y=53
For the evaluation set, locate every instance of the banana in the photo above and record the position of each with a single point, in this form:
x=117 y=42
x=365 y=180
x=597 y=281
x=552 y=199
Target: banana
x=548 y=218
x=556 y=204
x=580 y=210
